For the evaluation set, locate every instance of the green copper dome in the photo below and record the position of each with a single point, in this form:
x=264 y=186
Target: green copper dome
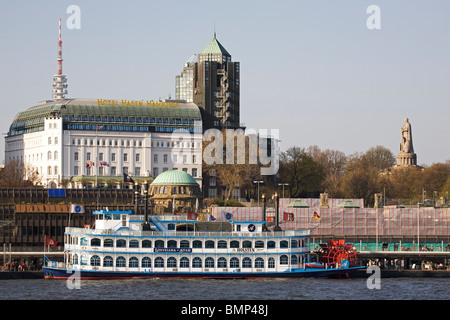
x=174 y=177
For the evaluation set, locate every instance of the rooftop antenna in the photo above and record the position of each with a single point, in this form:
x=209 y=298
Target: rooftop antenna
x=59 y=80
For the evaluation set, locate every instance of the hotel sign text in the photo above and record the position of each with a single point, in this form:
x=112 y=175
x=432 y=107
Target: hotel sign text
x=137 y=103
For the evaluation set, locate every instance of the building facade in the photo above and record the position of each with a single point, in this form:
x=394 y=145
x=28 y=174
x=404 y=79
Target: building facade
x=83 y=142
x=212 y=83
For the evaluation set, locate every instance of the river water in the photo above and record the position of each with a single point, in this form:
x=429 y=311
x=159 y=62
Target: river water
x=206 y=289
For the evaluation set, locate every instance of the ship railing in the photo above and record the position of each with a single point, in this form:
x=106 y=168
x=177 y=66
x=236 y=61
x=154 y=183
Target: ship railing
x=138 y=233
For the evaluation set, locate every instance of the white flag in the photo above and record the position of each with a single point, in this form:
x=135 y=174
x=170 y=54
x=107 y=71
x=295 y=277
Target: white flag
x=76 y=208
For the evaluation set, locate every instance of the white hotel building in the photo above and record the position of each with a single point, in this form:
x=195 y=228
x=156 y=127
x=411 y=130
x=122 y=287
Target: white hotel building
x=88 y=142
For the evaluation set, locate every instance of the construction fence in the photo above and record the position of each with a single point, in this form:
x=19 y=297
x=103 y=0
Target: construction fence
x=349 y=222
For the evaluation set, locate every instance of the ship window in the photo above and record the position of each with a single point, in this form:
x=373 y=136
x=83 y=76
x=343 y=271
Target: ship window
x=271 y=263
x=120 y=262
x=184 y=244
x=184 y=262
x=171 y=262
x=83 y=260
x=121 y=243
x=247 y=263
x=209 y=262
x=159 y=244
x=146 y=244
x=270 y=244
x=134 y=244
x=197 y=262
x=95 y=242
x=259 y=244
x=172 y=244
x=294 y=243
x=108 y=243
x=246 y=244
x=284 y=244
x=222 y=244
x=197 y=244
x=75 y=259
x=171 y=226
x=209 y=244
x=294 y=259
x=159 y=262
x=222 y=262
x=108 y=261
x=83 y=242
x=95 y=261
x=284 y=259
x=234 y=262
x=234 y=244
x=146 y=262
x=259 y=263
x=133 y=262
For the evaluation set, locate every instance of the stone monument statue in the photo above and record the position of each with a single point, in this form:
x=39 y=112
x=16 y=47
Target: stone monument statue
x=406 y=157
x=406 y=144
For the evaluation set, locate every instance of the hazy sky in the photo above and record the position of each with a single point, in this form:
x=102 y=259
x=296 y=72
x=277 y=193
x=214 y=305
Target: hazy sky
x=312 y=69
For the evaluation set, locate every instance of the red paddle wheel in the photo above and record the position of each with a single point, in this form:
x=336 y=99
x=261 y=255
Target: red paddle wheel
x=336 y=251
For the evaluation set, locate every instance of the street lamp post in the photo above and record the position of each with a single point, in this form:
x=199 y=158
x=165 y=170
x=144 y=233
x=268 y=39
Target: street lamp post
x=283 y=184
x=258 y=182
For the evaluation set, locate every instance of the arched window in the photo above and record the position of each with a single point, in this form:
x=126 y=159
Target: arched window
x=209 y=262
x=83 y=260
x=121 y=243
x=197 y=262
x=259 y=262
x=146 y=262
x=222 y=262
x=55 y=155
x=146 y=243
x=120 y=262
x=159 y=262
x=284 y=259
x=284 y=244
x=271 y=263
x=172 y=244
x=184 y=262
x=259 y=244
x=209 y=244
x=108 y=261
x=159 y=244
x=270 y=244
x=171 y=262
x=56 y=140
x=246 y=244
x=222 y=244
x=247 y=263
x=294 y=259
x=95 y=242
x=134 y=244
x=95 y=261
x=49 y=170
x=197 y=244
x=108 y=243
x=133 y=262
x=234 y=244
x=294 y=243
x=75 y=259
x=49 y=139
x=49 y=155
x=55 y=172
x=83 y=242
x=184 y=244
x=234 y=262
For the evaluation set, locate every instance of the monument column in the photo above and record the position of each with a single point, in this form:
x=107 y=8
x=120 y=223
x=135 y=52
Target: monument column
x=406 y=156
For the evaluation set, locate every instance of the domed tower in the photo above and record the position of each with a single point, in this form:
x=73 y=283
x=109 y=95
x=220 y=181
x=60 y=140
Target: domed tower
x=175 y=191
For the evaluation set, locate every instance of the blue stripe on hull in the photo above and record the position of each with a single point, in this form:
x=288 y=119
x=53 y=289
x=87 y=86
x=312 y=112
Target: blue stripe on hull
x=56 y=273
